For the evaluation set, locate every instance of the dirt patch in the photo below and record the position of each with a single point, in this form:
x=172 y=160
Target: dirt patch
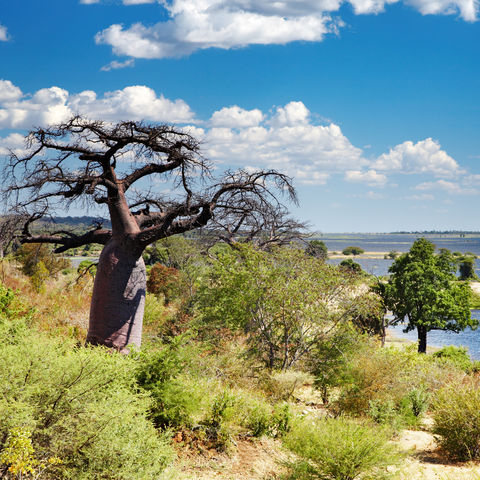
x=250 y=460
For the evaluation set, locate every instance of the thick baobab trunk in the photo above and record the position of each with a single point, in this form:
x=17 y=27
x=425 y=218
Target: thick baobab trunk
x=118 y=300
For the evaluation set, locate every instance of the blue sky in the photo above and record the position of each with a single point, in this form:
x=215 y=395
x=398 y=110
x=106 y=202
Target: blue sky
x=372 y=106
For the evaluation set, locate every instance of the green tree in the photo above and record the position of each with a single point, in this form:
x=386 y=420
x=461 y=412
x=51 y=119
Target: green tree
x=466 y=267
x=285 y=301
x=317 y=248
x=423 y=291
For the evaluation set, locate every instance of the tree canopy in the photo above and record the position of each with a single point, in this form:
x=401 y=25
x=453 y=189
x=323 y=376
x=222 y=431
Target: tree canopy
x=424 y=292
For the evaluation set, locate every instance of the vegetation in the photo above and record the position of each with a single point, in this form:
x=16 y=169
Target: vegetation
x=340 y=449
x=423 y=292
x=204 y=386
x=353 y=251
x=318 y=249
x=457 y=420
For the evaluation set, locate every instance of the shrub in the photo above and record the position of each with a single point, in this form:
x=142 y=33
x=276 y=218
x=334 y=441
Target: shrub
x=160 y=374
x=456 y=414
x=339 y=449
x=388 y=374
x=80 y=406
x=30 y=254
x=353 y=251
x=164 y=280
x=458 y=356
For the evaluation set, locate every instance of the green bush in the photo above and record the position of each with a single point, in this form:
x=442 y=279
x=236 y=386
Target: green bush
x=79 y=405
x=456 y=414
x=458 y=356
x=353 y=251
x=339 y=449
x=160 y=373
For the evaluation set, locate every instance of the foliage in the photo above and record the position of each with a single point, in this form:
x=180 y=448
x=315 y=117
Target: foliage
x=284 y=300
x=165 y=281
x=30 y=254
x=80 y=405
x=383 y=375
x=317 y=248
x=422 y=291
x=350 y=265
x=340 y=449
x=159 y=373
x=458 y=356
x=466 y=267
x=330 y=358
x=353 y=251
x=280 y=385
x=38 y=277
x=456 y=414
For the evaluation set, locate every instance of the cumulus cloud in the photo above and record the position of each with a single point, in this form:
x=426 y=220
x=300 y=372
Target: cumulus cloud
x=3 y=34
x=14 y=142
x=370 y=177
x=54 y=104
x=425 y=156
x=200 y=24
x=284 y=139
x=236 y=117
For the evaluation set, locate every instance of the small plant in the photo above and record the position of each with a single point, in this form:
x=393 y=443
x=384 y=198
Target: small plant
x=419 y=400
x=340 y=449
x=456 y=413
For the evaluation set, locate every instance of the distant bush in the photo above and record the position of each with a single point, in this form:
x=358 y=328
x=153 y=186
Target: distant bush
x=340 y=449
x=30 y=254
x=456 y=415
x=353 y=251
x=350 y=265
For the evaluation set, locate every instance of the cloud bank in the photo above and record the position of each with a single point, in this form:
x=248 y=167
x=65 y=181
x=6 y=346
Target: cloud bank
x=284 y=138
x=200 y=24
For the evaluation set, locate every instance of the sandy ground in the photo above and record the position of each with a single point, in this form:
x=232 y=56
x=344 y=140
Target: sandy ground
x=425 y=462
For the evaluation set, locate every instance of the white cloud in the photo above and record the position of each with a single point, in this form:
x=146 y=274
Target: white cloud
x=233 y=117
x=54 y=104
x=425 y=156
x=3 y=34
x=454 y=188
x=12 y=143
x=467 y=9
x=370 y=177
x=115 y=65
x=89 y=2
x=284 y=140
x=8 y=91
x=200 y=24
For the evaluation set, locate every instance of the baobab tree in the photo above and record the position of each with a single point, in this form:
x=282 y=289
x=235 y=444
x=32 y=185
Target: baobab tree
x=122 y=166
